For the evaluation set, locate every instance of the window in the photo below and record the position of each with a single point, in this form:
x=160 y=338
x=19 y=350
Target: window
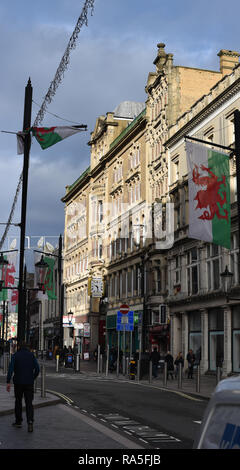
x=213 y=266
x=100 y=211
x=209 y=135
x=100 y=249
x=158 y=280
x=192 y=272
x=175 y=167
x=234 y=258
x=177 y=270
x=230 y=129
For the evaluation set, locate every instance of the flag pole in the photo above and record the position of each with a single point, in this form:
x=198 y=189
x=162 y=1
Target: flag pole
x=27 y=144
x=237 y=153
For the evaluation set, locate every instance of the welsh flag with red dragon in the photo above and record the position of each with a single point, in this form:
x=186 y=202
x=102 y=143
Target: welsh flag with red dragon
x=209 y=195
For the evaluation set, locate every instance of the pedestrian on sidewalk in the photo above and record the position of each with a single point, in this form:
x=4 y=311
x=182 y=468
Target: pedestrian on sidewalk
x=170 y=364
x=179 y=360
x=25 y=368
x=191 y=360
x=155 y=358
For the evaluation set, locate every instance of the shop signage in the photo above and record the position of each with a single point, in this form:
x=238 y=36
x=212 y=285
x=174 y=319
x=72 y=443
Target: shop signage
x=86 y=330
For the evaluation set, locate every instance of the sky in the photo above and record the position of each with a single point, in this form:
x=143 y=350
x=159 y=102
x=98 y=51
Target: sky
x=110 y=64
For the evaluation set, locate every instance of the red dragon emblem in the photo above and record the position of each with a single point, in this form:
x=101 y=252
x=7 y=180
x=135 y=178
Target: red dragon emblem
x=210 y=197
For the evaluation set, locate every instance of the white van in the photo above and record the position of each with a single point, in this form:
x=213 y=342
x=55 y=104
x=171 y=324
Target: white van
x=220 y=428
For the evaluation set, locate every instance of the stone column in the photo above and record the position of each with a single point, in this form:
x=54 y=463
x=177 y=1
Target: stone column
x=204 y=341
x=227 y=363
x=176 y=333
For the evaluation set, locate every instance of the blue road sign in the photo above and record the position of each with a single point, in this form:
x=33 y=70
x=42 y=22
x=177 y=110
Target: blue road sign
x=125 y=322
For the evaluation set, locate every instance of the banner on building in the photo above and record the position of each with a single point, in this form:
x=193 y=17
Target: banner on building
x=49 y=284
x=8 y=274
x=209 y=195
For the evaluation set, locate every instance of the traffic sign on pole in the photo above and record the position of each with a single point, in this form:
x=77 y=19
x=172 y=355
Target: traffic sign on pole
x=125 y=322
x=124 y=309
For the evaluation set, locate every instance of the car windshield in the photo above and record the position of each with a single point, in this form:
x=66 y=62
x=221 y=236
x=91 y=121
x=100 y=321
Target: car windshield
x=222 y=430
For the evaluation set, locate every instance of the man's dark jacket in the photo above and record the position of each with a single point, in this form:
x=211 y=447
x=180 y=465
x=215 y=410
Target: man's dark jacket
x=25 y=367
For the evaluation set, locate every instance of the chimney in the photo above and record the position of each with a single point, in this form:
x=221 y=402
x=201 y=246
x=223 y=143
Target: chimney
x=228 y=60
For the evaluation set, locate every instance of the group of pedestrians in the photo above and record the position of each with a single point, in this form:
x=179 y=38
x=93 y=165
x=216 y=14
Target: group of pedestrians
x=179 y=361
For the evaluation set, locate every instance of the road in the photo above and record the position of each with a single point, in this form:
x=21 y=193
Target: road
x=157 y=418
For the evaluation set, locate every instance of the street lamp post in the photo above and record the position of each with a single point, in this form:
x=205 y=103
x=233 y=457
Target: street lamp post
x=60 y=288
x=227 y=278
x=27 y=145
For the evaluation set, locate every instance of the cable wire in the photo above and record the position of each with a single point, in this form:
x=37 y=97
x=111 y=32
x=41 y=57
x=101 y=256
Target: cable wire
x=51 y=93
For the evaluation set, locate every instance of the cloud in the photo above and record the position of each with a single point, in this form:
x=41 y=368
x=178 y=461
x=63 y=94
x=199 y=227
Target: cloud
x=110 y=64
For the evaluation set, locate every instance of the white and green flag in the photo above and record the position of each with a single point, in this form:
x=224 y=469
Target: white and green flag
x=48 y=136
x=209 y=195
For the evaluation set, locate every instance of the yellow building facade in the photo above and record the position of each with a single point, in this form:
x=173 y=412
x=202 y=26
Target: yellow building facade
x=110 y=251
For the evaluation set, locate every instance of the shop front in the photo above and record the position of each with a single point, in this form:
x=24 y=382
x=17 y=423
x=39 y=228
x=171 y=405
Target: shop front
x=128 y=340
x=236 y=338
x=159 y=336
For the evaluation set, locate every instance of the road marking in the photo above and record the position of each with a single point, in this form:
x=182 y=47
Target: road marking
x=198 y=422
x=61 y=395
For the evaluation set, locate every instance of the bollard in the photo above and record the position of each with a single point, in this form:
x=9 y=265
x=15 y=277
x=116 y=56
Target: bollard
x=77 y=362
x=165 y=374
x=127 y=366
x=180 y=376
x=57 y=363
x=107 y=360
x=218 y=375
x=98 y=360
x=118 y=366
x=150 y=372
x=138 y=370
x=101 y=363
x=43 y=376
x=198 y=379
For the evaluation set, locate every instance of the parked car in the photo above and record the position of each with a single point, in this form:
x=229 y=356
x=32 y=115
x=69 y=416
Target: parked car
x=220 y=428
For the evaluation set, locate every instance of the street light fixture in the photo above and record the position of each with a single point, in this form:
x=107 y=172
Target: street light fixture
x=227 y=278
x=41 y=272
x=70 y=316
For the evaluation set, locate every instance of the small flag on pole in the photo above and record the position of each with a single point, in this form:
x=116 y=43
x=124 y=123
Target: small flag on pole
x=209 y=195
x=20 y=143
x=48 y=136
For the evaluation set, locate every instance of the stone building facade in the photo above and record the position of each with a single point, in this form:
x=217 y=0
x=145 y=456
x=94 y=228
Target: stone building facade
x=111 y=208
x=200 y=315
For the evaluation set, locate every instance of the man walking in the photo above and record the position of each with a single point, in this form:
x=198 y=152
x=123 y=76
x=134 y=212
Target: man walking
x=25 y=368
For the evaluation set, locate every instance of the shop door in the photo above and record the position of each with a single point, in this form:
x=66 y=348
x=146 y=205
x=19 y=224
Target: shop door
x=216 y=349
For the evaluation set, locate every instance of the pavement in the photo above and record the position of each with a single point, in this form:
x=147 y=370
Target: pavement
x=58 y=425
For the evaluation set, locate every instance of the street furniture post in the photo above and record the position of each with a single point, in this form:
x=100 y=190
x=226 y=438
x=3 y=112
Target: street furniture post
x=165 y=374
x=98 y=360
x=180 y=376
x=198 y=379
x=43 y=384
x=27 y=145
x=57 y=363
x=150 y=372
x=107 y=360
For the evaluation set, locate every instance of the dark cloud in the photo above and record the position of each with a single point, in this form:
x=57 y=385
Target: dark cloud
x=110 y=64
